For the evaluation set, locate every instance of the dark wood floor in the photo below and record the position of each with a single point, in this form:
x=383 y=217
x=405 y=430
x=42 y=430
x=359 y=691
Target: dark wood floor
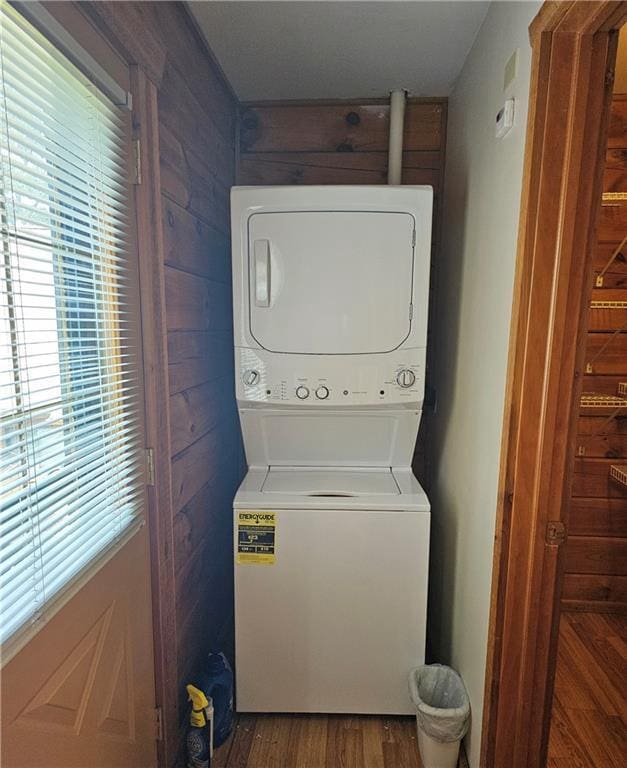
x=321 y=741
x=589 y=720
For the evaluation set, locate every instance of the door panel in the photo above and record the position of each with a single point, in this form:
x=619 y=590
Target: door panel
x=81 y=692
x=318 y=280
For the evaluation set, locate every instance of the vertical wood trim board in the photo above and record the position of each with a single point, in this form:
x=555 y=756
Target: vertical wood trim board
x=152 y=287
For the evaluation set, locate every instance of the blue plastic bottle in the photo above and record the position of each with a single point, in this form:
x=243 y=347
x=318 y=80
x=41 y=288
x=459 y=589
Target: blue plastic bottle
x=216 y=682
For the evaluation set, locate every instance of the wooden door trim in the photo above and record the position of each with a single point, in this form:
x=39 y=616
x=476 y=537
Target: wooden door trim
x=570 y=94
x=150 y=250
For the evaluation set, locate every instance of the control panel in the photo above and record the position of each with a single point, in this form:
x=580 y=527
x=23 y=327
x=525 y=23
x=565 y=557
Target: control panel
x=337 y=380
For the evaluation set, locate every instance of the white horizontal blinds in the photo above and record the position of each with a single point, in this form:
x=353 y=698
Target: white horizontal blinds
x=70 y=475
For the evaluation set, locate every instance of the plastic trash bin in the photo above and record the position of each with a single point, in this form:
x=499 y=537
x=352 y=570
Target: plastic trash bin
x=442 y=713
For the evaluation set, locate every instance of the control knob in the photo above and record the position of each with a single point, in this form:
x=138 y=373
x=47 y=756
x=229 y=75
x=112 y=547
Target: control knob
x=250 y=377
x=406 y=378
x=302 y=393
x=322 y=393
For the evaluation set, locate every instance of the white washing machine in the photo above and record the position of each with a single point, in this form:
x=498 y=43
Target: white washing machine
x=331 y=528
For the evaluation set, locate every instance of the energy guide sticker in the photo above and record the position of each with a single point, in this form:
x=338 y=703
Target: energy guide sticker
x=256 y=537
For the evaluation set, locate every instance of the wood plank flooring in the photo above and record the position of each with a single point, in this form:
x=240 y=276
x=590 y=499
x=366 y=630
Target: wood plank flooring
x=589 y=718
x=321 y=741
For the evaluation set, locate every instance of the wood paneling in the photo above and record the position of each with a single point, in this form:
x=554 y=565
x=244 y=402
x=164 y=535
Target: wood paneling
x=196 y=411
x=203 y=513
x=346 y=143
x=594 y=592
x=593 y=554
x=602 y=436
x=338 y=127
x=618 y=123
x=191 y=355
x=591 y=478
x=602 y=384
x=195 y=303
x=335 y=168
x=595 y=560
x=613 y=221
x=193 y=126
x=606 y=353
x=598 y=517
x=609 y=310
x=188 y=181
x=205 y=460
x=615 y=177
x=193 y=246
x=129 y=27
x=196 y=63
x=615 y=275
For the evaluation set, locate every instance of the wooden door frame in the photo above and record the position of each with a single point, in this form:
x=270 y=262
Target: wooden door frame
x=573 y=50
x=150 y=250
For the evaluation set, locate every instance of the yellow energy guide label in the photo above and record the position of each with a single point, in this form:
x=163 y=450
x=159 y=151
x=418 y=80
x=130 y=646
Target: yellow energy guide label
x=256 y=537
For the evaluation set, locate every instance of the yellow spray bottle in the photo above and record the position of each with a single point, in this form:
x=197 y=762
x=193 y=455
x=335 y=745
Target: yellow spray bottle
x=200 y=733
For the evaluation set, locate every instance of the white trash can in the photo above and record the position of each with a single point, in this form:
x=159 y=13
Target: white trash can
x=442 y=713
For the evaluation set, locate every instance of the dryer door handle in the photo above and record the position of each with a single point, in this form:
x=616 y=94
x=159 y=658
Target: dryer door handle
x=262 y=272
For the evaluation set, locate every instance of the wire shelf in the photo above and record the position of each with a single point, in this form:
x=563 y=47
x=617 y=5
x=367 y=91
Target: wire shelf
x=602 y=401
x=619 y=473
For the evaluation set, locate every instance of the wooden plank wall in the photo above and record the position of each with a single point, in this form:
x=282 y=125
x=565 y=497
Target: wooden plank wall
x=345 y=142
x=197 y=121
x=596 y=549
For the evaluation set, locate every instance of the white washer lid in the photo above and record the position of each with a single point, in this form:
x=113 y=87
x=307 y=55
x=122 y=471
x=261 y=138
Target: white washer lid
x=407 y=496
x=330 y=481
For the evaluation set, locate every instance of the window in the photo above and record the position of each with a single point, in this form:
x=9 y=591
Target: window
x=71 y=481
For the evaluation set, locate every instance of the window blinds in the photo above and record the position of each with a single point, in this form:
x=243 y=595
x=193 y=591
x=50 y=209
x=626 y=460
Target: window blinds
x=70 y=432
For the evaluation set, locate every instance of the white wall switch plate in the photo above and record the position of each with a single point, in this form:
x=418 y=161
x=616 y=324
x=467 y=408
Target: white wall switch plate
x=504 y=119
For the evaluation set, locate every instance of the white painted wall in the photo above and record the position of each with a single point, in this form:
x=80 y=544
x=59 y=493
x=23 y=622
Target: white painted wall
x=475 y=284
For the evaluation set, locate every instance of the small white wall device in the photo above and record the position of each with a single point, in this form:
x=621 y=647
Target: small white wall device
x=504 y=119
x=331 y=528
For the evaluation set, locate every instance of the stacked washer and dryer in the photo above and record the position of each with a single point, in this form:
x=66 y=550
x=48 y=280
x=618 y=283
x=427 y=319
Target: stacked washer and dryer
x=331 y=528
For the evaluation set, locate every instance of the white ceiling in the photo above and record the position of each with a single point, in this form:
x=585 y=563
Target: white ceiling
x=306 y=50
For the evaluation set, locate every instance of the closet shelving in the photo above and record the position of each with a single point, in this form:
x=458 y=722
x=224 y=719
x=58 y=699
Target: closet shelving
x=607 y=404
x=618 y=473
x=601 y=404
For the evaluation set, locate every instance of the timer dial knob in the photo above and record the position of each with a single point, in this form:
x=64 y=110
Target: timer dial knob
x=302 y=393
x=250 y=377
x=322 y=393
x=406 y=378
